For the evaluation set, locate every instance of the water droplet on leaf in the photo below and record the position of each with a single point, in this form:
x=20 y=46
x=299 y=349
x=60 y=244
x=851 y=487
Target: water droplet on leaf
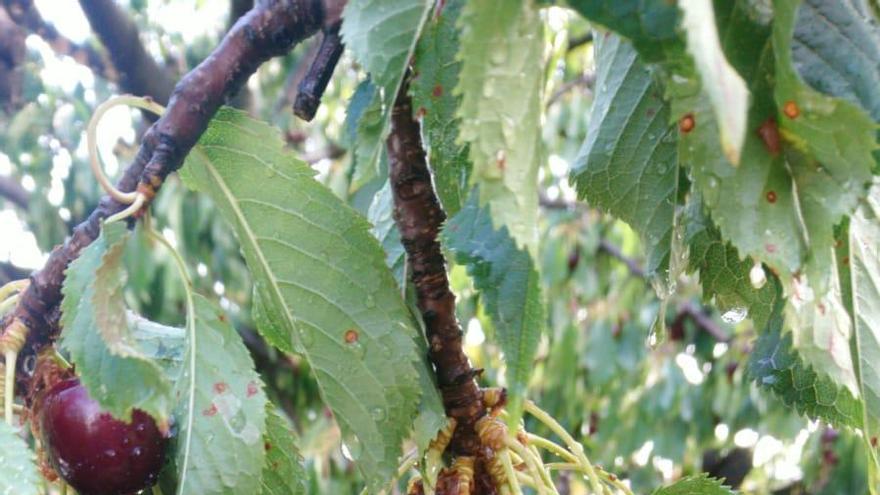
x=735 y=314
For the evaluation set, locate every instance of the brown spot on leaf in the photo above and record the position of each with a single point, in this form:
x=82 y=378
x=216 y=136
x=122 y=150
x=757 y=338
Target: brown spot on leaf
x=791 y=109
x=267 y=446
x=351 y=336
x=501 y=160
x=771 y=248
x=687 y=123
x=438 y=91
x=769 y=134
x=220 y=387
x=210 y=411
x=771 y=196
x=252 y=389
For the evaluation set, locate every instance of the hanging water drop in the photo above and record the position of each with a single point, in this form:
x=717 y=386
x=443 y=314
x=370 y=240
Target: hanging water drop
x=757 y=276
x=735 y=314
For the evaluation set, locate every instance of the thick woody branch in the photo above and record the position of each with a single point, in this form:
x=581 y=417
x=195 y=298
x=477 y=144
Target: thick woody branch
x=25 y=14
x=419 y=216
x=312 y=87
x=268 y=30
x=139 y=73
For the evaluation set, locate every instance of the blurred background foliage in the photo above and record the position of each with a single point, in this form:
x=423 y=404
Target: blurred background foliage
x=649 y=413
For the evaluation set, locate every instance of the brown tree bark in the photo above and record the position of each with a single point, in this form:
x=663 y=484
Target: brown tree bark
x=419 y=217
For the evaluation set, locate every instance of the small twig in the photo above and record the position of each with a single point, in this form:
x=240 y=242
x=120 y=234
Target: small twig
x=585 y=80
x=312 y=87
x=11 y=190
x=703 y=321
x=634 y=267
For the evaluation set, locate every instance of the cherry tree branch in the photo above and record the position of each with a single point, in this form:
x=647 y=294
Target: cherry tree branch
x=25 y=14
x=138 y=72
x=270 y=29
x=419 y=217
x=312 y=86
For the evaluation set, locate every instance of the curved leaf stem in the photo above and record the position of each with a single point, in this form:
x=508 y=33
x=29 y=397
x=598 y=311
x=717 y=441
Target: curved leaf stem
x=92 y=143
x=509 y=472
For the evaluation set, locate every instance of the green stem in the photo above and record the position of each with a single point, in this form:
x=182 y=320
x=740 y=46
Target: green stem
x=535 y=466
x=576 y=448
x=7 y=304
x=552 y=447
x=11 y=287
x=509 y=472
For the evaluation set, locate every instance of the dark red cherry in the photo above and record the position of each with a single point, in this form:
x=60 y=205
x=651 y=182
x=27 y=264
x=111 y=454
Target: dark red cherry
x=95 y=453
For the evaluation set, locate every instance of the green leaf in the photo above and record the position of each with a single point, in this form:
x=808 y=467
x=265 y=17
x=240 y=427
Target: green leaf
x=822 y=329
x=382 y=34
x=838 y=136
x=98 y=335
x=437 y=73
x=18 y=464
x=319 y=274
x=221 y=414
x=780 y=204
x=724 y=277
x=726 y=89
x=774 y=364
x=385 y=231
x=835 y=50
x=650 y=24
x=628 y=163
x=864 y=269
x=700 y=484
x=283 y=473
x=510 y=289
x=501 y=79
x=163 y=344
x=365 y=109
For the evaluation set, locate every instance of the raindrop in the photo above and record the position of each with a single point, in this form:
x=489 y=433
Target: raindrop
x=657 y=331
x=351 y=448
x=735 y=314
x=307 y=336
x=757 y=276
x=378 y=414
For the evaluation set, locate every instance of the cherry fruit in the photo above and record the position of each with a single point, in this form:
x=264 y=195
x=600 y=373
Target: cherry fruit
x=95 y=453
